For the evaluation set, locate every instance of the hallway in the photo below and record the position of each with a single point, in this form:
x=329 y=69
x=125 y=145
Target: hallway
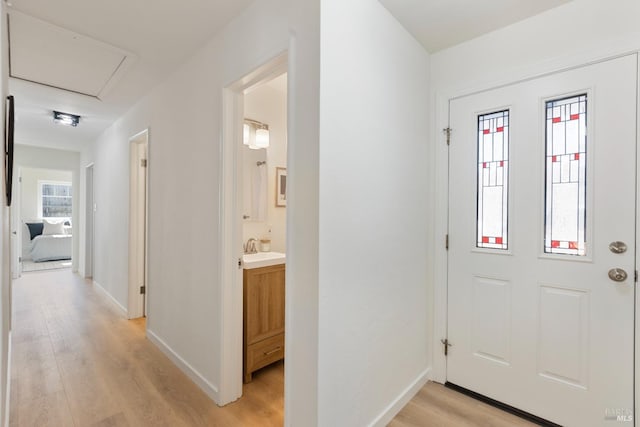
x=76 y=361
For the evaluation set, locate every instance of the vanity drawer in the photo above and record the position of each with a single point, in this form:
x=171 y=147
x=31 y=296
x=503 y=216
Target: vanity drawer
x=264 y=353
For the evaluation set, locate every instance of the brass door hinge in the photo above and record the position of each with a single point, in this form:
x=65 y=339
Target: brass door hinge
x=143 y=163
x=143 y=290
x=447 y=131
x=446 y=344
x=446 y=242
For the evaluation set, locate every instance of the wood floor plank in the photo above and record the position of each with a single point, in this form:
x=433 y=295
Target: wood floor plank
x=89 y=398
x=48 y=411
x=14 y=402
x=118 y=420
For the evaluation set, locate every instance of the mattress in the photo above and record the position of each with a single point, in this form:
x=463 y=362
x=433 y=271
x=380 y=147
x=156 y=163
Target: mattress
x=51 y=247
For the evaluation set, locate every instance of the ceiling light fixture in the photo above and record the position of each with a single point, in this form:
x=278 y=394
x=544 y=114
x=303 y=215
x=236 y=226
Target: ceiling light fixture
x=255 y=134
x=66 y=118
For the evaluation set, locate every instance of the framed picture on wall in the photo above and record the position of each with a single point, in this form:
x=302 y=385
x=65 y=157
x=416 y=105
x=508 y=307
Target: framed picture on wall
x=281 y=187
x=8 y=147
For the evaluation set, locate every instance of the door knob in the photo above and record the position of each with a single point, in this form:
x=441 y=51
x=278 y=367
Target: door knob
x=618 y=247
x=617 y=275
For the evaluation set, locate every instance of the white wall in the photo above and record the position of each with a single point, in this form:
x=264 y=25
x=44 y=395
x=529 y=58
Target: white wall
x=111 y=198
x=31 y=177
x=303 y=168
x=268 y=105
x=184 y=117
x=573 y=34
x=374 y=215
x=61 y=160
x=46 y=158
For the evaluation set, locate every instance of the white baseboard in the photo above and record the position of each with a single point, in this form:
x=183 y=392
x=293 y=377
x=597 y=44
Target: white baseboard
x=110 y=297
x=196 y=377
x=7 y=398
x=396 y=406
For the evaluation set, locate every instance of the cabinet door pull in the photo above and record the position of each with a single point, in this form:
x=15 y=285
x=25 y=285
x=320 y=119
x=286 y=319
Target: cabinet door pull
x=269 y=353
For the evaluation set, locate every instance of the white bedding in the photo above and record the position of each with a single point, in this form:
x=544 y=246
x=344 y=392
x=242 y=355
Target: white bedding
x=51 y=247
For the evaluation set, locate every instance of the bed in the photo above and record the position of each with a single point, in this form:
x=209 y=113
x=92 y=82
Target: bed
x=45 y=241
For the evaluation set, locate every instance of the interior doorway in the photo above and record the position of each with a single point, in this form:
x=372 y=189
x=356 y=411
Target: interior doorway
x=234 y=217
x=90 y=212
x=263 y=164
x=138 y=217
x=43 y=221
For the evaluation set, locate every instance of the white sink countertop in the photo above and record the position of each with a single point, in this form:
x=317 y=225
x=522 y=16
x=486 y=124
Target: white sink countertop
x=263 y=259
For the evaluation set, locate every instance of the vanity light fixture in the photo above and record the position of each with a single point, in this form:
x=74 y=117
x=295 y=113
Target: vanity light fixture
x=255 y=134
x=66 y=118
x=262 y=137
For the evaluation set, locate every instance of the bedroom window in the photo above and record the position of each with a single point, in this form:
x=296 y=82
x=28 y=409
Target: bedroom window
x=55 y=199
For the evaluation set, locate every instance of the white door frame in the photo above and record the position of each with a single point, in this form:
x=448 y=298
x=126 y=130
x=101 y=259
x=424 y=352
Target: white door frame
x=230 y=227
x=138 y=212
x=440 y=301
x=16 y=225
x=89 y=224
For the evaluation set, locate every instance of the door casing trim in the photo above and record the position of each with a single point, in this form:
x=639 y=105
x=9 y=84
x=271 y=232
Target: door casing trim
x=136 y=301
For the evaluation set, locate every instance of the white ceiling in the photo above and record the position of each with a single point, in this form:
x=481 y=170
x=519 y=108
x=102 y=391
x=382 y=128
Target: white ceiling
x=155 y=37
x=159 y=35
x=439 y=24
x=47 y=54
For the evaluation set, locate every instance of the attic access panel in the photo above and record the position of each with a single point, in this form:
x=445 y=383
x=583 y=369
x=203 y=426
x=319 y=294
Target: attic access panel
x=43 y=53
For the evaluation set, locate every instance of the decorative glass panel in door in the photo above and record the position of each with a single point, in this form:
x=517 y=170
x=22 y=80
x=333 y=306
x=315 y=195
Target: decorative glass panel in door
x=566 y=176
x=493 y=180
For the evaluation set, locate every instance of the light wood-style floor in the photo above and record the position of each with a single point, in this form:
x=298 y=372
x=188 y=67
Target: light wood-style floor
x=77 y=362
x=438 y=406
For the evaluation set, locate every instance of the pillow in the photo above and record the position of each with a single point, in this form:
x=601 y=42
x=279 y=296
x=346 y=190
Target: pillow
x=51 y=227
x=35 y=228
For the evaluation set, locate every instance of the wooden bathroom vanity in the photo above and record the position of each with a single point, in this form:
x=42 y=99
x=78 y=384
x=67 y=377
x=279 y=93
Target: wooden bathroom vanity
x=263 y=317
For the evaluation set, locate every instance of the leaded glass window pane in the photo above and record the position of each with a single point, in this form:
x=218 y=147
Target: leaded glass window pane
x=566 y=176
x=493 y=180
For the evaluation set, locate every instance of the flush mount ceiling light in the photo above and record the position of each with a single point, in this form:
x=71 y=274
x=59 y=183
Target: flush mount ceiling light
x=255 y=134
x=66 y=118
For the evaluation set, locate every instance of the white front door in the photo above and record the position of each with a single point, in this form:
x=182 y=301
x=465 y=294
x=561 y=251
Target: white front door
x=542 y=181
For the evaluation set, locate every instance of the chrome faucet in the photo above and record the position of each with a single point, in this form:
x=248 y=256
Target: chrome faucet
x=250 y=246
